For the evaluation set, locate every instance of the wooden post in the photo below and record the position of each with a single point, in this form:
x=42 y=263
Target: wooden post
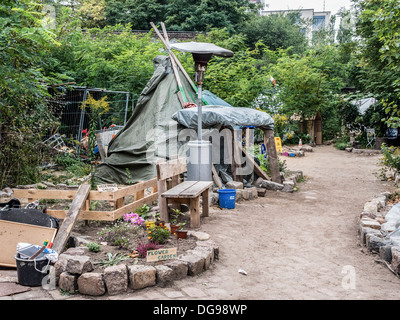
x=205 y=204
x=194 y=212
x=269 y=142
x=236 y=165
x=71 y=217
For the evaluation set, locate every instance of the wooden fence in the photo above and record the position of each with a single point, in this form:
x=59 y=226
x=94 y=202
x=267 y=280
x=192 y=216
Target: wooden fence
x=142 y=192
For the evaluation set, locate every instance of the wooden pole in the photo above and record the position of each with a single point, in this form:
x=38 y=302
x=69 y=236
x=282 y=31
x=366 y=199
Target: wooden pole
x=272 y=155
x=72 y=216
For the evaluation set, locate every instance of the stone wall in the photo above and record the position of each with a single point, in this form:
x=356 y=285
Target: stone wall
x=73 y=271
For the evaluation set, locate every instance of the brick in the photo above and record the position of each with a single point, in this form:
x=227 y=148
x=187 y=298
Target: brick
x=92 y=284
x=141 y=276
x=116 y=279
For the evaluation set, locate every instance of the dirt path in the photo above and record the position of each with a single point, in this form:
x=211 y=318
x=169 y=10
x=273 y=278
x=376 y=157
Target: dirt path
x=302 y=245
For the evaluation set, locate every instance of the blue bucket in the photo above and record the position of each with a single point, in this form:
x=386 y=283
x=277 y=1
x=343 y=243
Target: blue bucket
x=227 y=198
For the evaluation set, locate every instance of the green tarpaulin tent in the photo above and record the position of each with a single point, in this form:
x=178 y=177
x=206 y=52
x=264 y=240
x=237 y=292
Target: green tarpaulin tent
x=152 y=131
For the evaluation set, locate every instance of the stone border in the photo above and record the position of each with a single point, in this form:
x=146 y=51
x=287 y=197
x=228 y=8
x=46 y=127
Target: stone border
x=73 y=271
x=373 y=233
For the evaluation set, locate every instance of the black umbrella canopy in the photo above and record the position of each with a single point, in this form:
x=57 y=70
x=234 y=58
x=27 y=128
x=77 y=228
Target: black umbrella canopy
x=202 y=48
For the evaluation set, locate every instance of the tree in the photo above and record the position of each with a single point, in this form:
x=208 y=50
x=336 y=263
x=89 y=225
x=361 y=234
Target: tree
x=276 y=32
x=24 y=115
x=138 y=13
x=379 y=29
x=180 y=15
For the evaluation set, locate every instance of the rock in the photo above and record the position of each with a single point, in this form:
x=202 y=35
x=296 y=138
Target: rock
x=288 y=188
x=349 y=149
x=28 y=186
x=80 y=241
x=395 y=258
x=179 y=269
x=60 y=265
x=116 y=279
x=141 y=276
x=68 y=282
x=245 y=194
x=270 y=185
x=258 y=182
x=92 y=284
x=201 y=236
x=49 y=184
x=195 y=263
x=79 y=264
x=363 y=231
x=77 y=251
x=261 y=192
x=253 y=192
x=239 y=195
x=214 y=198
x=385 y=252
x=61 y=186
x=374 y=242
x=234 y=185
x=370 y=223
x=205 y=252
x=6 y=193
x=210 y=244
x=164 y=275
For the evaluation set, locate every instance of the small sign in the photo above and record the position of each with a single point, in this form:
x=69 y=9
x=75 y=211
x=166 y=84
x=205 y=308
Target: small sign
x=161 y=254
x=278 y=144
x=107 y=187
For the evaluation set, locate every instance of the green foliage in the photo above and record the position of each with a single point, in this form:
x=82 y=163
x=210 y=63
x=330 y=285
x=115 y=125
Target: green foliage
x=391 y=157
x=112 y=259
x=179 y=15
x=276 y=32
x=379 y=28
x=72 y=164
x=158 y=233
x=93 y=247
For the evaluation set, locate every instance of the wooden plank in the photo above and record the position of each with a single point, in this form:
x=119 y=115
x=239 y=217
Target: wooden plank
x=72 y=215
x=272 y=156
x=13 y=232
x=178 y=189
x=196 y=189
x=171 y=168
x=84 y=215
x=135 y=188
x=260 y=172
x=60 y=194
x=134 y=205
x=216 y=178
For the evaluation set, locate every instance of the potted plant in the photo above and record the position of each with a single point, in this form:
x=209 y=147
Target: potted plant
x=180 y=233
x=174 y=225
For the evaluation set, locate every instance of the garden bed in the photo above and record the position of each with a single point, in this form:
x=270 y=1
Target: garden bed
x=90 y=234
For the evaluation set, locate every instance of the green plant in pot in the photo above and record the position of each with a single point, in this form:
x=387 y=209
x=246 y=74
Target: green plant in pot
x=174 y=224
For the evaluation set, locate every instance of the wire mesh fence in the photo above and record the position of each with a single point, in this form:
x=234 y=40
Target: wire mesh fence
x=66 y=103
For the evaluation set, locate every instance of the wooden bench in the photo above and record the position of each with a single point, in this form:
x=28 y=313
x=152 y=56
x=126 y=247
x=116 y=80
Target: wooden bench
x=172 y=191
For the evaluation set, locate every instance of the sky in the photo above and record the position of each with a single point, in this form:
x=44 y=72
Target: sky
x=318 y=5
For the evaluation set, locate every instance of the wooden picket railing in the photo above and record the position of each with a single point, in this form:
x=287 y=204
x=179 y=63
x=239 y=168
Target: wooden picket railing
x=143 y=193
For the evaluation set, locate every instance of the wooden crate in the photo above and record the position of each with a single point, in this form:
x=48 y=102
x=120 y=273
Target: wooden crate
x=140 y=198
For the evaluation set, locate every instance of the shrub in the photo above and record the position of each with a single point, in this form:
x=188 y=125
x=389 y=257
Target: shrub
x=143 y=247
x=93 y=247
x=391 y=157
x=158 y=233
